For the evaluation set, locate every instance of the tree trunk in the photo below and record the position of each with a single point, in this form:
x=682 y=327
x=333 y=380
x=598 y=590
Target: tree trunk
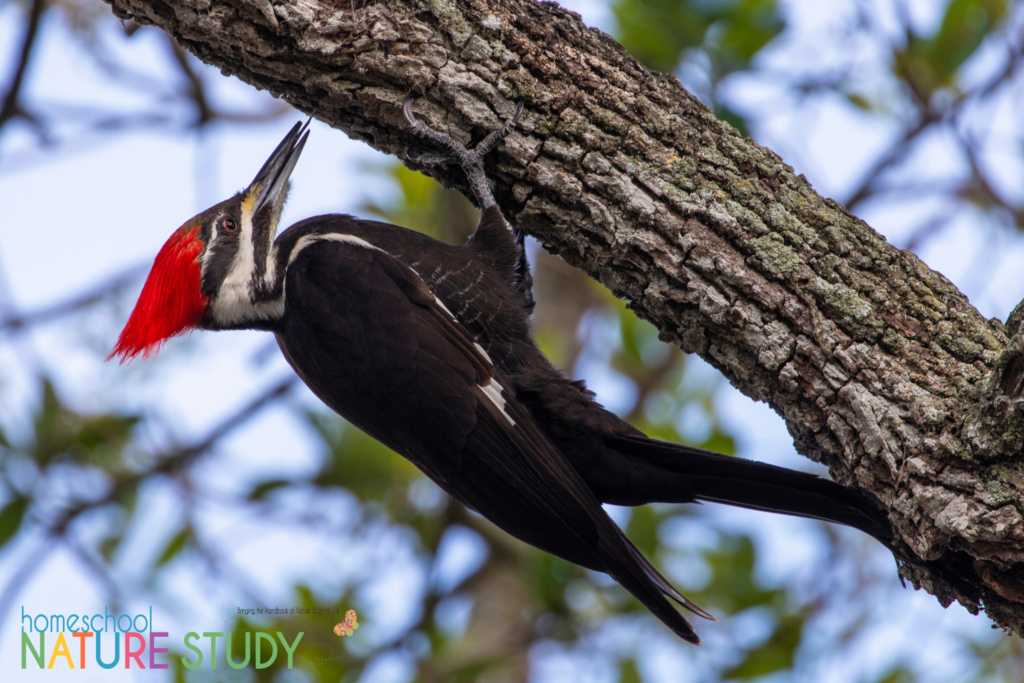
x=881 y=368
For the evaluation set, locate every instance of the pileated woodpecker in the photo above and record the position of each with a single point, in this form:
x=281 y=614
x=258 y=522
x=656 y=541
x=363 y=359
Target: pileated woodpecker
x=426 y=347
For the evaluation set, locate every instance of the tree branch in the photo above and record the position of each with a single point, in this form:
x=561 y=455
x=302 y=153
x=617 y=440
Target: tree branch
x=10 y=106
x=880 y=367
x=16 y=322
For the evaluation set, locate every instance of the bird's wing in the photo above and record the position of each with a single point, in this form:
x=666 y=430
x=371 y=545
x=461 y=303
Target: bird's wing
x=372 y=340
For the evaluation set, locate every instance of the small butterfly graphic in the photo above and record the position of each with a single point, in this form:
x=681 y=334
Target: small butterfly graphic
x=350 y=624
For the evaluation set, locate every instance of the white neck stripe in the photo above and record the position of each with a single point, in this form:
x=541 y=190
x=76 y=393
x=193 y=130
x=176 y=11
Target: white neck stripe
x=307 y=240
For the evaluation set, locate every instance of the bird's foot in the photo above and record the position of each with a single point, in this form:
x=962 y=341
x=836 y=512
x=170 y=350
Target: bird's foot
x=471 y=161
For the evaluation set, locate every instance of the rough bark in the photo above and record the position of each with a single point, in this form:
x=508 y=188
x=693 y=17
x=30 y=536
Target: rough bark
x=881 y=368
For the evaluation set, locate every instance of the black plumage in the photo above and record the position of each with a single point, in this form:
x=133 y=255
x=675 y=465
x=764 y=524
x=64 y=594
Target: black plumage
x=619 y=464
x=362 y=330
x=427 y=347
x=367 y=335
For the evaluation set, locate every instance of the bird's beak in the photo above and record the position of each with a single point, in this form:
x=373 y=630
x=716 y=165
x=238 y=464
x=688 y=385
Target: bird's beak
x=269 y=186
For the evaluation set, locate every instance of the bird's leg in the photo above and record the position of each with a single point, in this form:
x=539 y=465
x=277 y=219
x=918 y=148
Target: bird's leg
x=472 y=162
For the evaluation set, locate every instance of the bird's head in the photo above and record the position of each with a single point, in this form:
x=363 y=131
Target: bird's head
x=217 y=270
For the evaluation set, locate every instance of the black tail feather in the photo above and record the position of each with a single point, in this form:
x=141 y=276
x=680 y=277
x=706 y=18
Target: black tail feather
x=627 y=565
x=734 y=481
x=667 y=588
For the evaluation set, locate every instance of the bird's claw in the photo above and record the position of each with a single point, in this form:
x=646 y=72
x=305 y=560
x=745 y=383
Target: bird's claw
x=454 y=152
x=492 y=140
x=428 y=158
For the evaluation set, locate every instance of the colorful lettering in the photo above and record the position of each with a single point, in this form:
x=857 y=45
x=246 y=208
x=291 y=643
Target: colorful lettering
x=81 y=641
x=190 y=636
x=27 y=642
x=128 y=654
x=61 y=649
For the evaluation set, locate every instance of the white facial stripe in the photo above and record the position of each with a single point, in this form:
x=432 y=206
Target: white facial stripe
x=234 y=301
x=492 y=390
x=244 y=266
x=237 y=310
x=271 y=270
x=208 y=253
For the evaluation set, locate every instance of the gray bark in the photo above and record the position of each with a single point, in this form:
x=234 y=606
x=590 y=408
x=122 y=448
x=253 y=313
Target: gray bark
x=881 y=368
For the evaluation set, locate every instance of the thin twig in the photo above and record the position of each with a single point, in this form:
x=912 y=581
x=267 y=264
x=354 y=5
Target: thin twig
x=196 y=88
x=896 y=154
x=10 y=107
x=939 y=222
x=128 y=277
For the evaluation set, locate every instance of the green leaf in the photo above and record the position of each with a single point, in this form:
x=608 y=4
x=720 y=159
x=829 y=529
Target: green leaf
x=628 y=671
x=745 y=30
x=425 y=206
x=178 y=669
x=10 y=518
x=731 y=32
x=260 y=491
x=733 y=119
x=733 y=583
x=173 y=547
x=898 y=674
x=552 y=345
x=632 y=331
x=775 y=654
x=927 y=64
x=550 y=577
x=643 y=529
x=963 y=29
x=659 y=32
x=54 y=434
x=475 y=670
x=104 y=430
x=109 y=545
x=101 y=441
x=720 y=442
x=859 y=101
x=95 y=439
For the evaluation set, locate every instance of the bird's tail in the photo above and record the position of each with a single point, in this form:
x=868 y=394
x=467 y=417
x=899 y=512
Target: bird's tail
x=734 y=481
x=630 y=568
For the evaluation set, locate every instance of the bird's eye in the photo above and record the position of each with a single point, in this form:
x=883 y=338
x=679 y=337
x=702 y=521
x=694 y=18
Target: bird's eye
x=228 y=224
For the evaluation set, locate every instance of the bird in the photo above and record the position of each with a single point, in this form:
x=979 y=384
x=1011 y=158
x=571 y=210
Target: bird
x=427 y=347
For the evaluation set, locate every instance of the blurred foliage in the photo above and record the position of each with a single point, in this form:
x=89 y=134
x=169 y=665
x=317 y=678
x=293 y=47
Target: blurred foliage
x=497 y=618
x=724 y=35
x=660 y=32
x=927 y=63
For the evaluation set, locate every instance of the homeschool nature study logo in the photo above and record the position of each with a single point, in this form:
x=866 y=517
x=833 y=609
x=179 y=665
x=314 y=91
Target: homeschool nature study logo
x=106 y=640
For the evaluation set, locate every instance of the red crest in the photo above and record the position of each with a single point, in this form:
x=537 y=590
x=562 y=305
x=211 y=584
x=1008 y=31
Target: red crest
x=171 y=302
